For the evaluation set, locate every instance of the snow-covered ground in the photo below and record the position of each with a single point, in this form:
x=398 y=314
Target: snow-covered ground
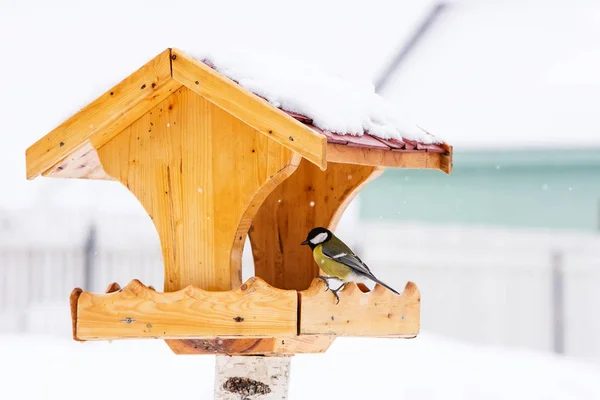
x=428 y=367
x=47 y=363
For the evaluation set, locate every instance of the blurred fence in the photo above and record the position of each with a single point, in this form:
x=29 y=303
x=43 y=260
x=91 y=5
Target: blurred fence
x=518 y=288
x=506 y=288
x=39 y=278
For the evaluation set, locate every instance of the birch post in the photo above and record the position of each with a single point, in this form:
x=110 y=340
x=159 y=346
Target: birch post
x=252 y=377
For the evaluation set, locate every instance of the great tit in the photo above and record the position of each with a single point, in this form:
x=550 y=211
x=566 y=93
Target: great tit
x=337 y=260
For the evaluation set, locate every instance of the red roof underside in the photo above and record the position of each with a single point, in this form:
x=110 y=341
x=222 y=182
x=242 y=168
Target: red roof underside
x=369 y=141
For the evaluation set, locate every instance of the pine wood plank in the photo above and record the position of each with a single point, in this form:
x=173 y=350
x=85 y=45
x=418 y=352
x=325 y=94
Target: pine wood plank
x=82 y=163
x=106 y=116
x=446 y=160
x=308 y=198
x=386 y=158
x=136 y=311
x=201 y=175
x=378 y=313
x=73 y=299
x=249 y=108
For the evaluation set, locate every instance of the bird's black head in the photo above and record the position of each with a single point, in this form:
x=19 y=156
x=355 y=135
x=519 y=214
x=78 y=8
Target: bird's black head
x=317 y=236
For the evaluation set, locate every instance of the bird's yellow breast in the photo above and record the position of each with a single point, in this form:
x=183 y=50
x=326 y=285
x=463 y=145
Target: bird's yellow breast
x=329 y=266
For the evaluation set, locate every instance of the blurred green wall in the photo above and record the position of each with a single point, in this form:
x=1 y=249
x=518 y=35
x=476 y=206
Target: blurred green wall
x=557 y=189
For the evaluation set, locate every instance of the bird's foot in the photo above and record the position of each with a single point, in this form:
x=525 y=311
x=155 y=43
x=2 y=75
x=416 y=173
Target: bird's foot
x=335 y=293
x=324 y=279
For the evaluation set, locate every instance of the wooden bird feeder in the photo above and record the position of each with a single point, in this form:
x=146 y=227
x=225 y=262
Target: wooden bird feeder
x=212 y=163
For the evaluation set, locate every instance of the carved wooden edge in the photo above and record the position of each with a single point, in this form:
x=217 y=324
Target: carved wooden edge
x=360 y=311
x=138 y=311
x=73 y=300
x=137 y=288
x=113 y=287
x=317 y=287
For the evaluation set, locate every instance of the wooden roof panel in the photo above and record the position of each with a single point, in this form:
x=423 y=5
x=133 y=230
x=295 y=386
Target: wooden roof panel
x=105 y=117
x=115 y=110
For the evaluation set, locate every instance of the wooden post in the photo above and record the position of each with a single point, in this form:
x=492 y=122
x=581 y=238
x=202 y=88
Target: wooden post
x=252 y=377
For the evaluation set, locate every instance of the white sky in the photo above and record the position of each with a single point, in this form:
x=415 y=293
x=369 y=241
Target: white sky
x=494 y=74
x=487 y=75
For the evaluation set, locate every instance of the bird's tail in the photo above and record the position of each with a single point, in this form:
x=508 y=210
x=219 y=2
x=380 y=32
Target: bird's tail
x=382 y=284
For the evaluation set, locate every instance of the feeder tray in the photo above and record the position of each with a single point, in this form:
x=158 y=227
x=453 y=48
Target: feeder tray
x=213 y=163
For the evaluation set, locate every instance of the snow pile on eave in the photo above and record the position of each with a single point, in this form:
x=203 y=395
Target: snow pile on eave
x=335 y=104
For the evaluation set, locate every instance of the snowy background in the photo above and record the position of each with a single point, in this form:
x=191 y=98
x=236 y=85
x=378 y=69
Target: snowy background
x=486 y=75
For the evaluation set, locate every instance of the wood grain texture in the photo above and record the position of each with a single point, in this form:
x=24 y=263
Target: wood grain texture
x=114 y=287
x=253 y=346
x=250 y=108
x=378 y=313
x=308 y=198
x=201 y=174
x=340 y=153
x=106 y=116
x=73 y=300
x=82 y=163
x=136 y=311
x=446 y=160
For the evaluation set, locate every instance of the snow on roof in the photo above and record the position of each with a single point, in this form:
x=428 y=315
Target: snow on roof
x=326 y=100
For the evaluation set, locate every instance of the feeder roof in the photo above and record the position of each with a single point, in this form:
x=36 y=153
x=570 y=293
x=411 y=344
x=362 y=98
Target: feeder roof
x=318 y=115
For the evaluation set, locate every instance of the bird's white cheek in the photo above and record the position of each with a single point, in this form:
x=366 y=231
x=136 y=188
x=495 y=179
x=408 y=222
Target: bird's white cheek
x=320 y=238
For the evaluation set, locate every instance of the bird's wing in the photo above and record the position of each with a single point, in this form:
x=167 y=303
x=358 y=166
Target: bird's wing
x=349 y=259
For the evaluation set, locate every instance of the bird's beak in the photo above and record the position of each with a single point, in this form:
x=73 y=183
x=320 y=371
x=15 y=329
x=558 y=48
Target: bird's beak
x=303 y=243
